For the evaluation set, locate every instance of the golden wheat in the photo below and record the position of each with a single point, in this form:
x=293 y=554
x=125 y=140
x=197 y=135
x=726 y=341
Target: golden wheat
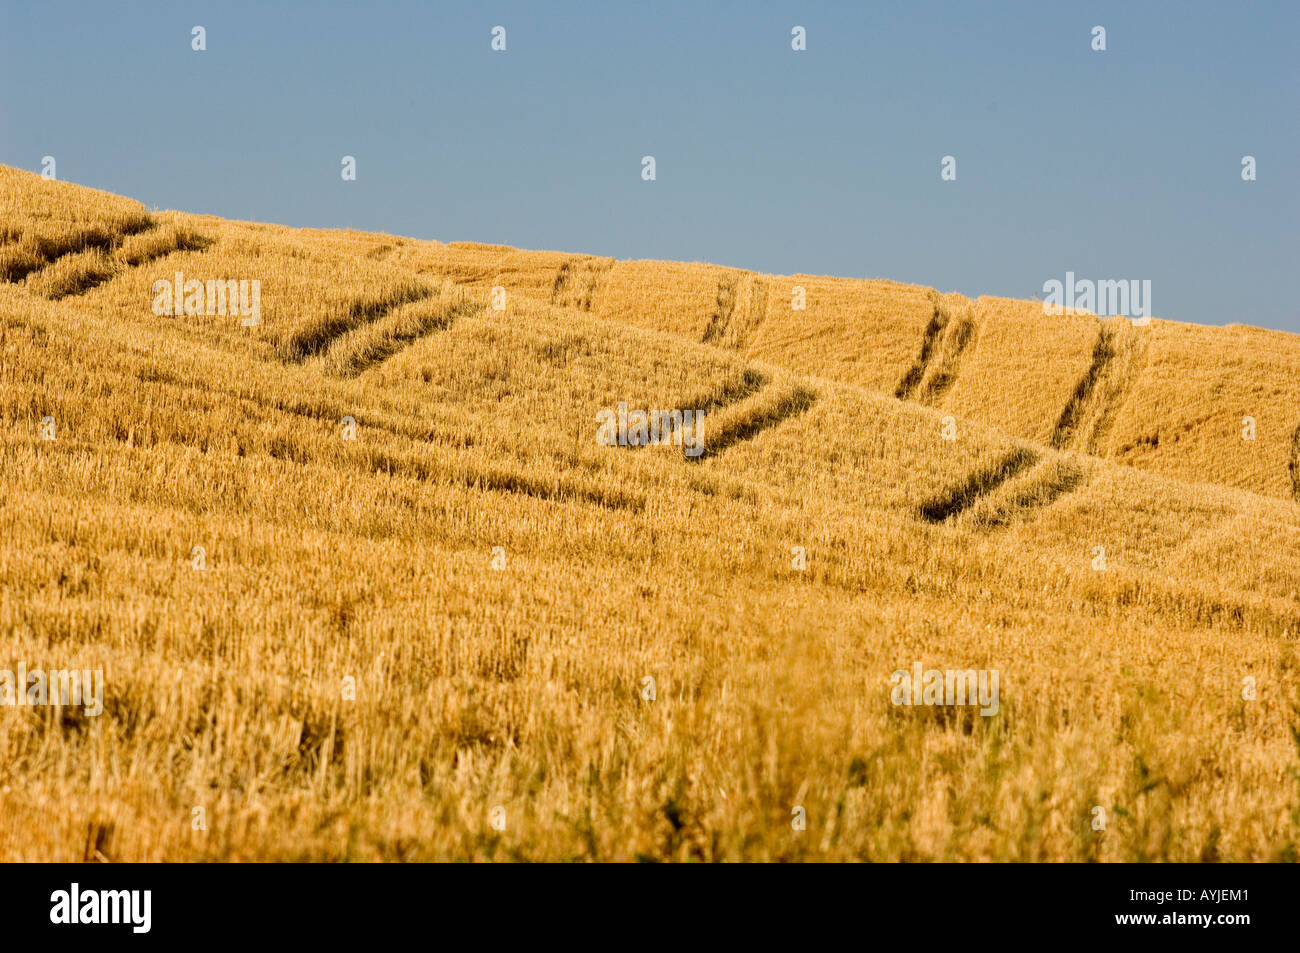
x=317 y=647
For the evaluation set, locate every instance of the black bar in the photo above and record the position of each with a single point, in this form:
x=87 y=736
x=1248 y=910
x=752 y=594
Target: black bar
x=913 y=904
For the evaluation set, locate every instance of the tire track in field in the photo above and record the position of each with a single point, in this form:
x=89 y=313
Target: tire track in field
x=767 y=409
x=978 y=484
x=578 y=281
x=723 y=306
x=63 y=266
x=1090 y=413
x=372 y=344
x=739 y=308
x=734 y=389
x=959 y=334
x=36 y=252
x=359 y=310
x=929 y=338
x=947 y=337
x=752 y=290
x=740 y=408
x=1294 y=466
x=1021 y=497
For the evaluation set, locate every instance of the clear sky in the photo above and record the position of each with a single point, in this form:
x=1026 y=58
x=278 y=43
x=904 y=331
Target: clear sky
x=1117 y=164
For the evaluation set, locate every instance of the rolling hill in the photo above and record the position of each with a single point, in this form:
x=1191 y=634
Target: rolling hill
x=365 y=584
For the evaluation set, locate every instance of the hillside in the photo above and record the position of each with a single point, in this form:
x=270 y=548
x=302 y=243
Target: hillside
x=436 y=640
x=1168 y=397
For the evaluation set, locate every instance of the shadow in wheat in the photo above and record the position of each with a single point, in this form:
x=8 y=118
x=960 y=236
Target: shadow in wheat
x=578 y=280
x=1295 y=464
x=373 y=343
x=979 y=483
x=723 y=306
x=946 y=338
x=735 y=389
x=319 y=334
x=1021 y=497
x=1088 y=416
x=60 y=263
x=745 y=420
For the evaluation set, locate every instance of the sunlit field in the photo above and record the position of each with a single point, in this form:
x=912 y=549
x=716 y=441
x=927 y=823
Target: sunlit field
x=364 y=583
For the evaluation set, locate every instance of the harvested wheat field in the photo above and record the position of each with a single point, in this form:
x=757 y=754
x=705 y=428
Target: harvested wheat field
x=365 y=582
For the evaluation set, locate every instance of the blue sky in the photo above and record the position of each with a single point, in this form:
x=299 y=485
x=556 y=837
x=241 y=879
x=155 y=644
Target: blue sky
x=1117 y=164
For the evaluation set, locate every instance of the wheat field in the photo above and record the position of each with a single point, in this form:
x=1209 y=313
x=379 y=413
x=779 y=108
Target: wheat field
x=364 y=584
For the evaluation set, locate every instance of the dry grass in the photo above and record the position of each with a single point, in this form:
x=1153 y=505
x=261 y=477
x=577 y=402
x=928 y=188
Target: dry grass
x=1162 y=407
x=374 y=342
x=73 y=273
x=335 y=564
x=155 y=243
